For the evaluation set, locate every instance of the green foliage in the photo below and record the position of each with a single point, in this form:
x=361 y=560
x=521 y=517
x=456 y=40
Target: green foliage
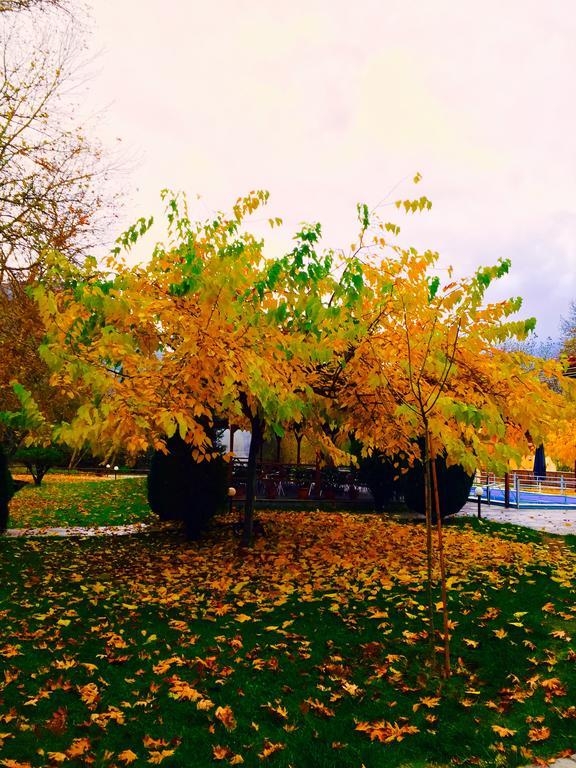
x=28 y=421
x=6 y=489
x=180 y=488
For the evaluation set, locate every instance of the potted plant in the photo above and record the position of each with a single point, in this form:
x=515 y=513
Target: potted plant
x=331 y=483
x=302 y=481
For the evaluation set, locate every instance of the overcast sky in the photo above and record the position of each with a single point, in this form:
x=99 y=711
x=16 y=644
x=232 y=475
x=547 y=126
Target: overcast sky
x=329 y=103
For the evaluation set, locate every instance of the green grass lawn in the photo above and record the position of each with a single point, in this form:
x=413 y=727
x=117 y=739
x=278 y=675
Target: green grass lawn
x=64 y=500
x=308 y=651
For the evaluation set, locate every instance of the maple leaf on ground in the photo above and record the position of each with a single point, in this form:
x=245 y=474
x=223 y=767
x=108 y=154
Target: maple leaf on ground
x=387 y=732
x=58 y=723
x=319 y=708
x=279 y=712
x=352 y=689
x=430 y=701
x=539 y=734
x=163 y=666
x=78 y=747
x=8 y=763
x=127 y=756
x=89 y=694
x=221 y=753
x=151 y=743
x=226 y=717
x=157 y=756
x=104 y=718
x=503 y=732
x=270 y=747
x=180 y=689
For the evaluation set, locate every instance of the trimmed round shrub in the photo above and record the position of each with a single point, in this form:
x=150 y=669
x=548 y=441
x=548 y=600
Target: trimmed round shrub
x=454 y=485
x=389 y=483
x=384 y=480
x=180 y=488
x=6 y=489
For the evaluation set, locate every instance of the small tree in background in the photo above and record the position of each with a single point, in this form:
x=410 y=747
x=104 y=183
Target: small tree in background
x=429 y=378
x=568 y=328
x=39 y=459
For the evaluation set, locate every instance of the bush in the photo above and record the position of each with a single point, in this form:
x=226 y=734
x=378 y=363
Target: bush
x=181 y=489
x=454 y=485
x=6 y=489
x=384 y=480
x=389 y=483
x=38 y=460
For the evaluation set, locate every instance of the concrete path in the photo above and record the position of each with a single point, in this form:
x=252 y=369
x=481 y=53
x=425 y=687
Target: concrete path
x=100 y=530
x=564 y=762
x=560 y=521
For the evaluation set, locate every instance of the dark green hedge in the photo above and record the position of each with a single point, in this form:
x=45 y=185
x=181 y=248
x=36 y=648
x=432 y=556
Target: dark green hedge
x=454 y=486
x=181 y=489
x=389 y=483
x=6 y=489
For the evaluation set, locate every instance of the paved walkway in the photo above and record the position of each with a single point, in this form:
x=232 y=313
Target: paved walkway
x=560 y=521
x=100 y=530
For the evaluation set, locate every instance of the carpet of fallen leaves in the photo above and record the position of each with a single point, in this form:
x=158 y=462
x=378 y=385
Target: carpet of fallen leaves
x=85 y=500
x=309 y=650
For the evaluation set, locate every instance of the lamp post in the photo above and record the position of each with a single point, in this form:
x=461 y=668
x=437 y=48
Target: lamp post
x=107 y=469
x=116 y=468
x=479 y=493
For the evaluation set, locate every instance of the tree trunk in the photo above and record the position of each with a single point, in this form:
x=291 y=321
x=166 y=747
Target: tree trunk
x=256 y=441
x=3 y=515
x=298 y=447
x=428 y=509
x=230 y=470
x=446 y=667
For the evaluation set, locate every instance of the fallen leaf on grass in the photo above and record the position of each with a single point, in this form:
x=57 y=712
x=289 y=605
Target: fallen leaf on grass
x=269 y=748
x=539 y=734
x=78 y=747
x=14 y=764
x=127 y=756
x=220 y=753
x=226 y=717
x=387 y=732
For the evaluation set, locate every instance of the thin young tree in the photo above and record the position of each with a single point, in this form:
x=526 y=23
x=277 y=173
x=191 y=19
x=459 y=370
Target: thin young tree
x=431 y=378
